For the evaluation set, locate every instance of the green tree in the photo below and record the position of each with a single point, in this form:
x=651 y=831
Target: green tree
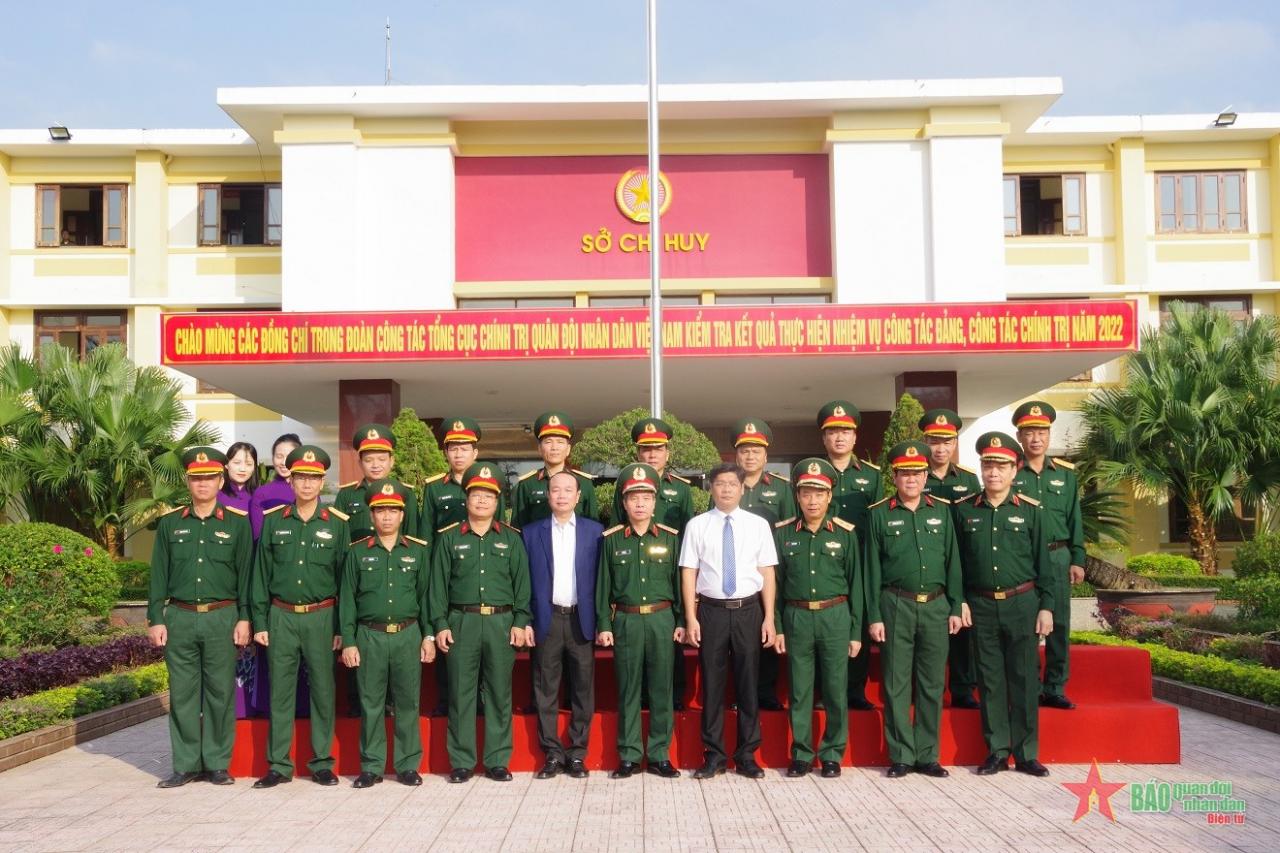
x=1197 y=418
x=97 y=444
x=418 y=455
x=609 y=444
x=904 y=425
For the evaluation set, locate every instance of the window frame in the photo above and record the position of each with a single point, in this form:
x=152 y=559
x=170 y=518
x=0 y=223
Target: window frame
x=1204 y=300
x=1063 y=177
x=1237 y=527
x=82 y=327
x=1178 y=213
x=106 y=190
x=267 y=225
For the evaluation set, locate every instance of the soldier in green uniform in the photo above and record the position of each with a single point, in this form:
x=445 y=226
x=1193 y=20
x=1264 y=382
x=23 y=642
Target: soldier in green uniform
x=638 y=614
x=376 y=445
x=821 y=586
x=915 y=600
x=444 y=503
x=1053 y=482
x=478 y=602
x=1004 y=554
x=769 y=496
x=673 y=507
x=382 y=613
x=554 y=432
x=857 y=486
x=297 y=568
x=198 y=610
x=946 y=479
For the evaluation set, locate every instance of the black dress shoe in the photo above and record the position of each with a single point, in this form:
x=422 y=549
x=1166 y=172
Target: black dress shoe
x=624 y=770
x=177 y=780
x=460 y=774
x=749 y=769
x=898 y=770
x=221 y=777
x=798 y=769
x=272 y=779
x=993 y=764
x=324 y=777
x=551 y=768
x=933 y=769
x=498 y=774
x=1056 y=700
x=860 y=703
x=1031 y=768
x=770 y=703
x=709 y=769
x=830 y=769
x=412 y=778
x=578 y=769
x=665 y=769
x=965 y=700
x=366 y=780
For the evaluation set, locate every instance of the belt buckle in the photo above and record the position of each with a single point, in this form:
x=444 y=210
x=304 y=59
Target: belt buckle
x=486 y=609
x=999 y=595
x=299 y=608
x=202 y=608
x=813 y=605
x=646 y=609
x=733 y=605
x=922 y=598
x=393 y=628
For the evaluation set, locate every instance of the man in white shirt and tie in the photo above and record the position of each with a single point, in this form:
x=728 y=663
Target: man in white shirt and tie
x=727 y=560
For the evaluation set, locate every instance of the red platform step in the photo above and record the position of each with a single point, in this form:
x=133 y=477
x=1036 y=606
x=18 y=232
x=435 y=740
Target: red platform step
x=1116 y=720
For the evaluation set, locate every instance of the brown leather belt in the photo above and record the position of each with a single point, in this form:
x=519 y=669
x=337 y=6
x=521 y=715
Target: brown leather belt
x=204 y=608
x=644 y=609
x=303 y=608
x=389 y=627
x=729 y=603
x=1002 y=594
x=483 y=609
x=1060 y=544
x=917 y=597
x=824 y=604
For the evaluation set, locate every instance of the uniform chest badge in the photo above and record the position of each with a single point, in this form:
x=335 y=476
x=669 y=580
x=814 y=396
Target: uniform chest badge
x=898 y=523
x=323 y=534
x=933 y=521
x=1058 y=483
x=658 y=550
x=861 y=481
x=372 y=559
x=668 y=493
x=408 y=559
x=222 y=534
x=182 y=532
x=790 y=544
x=1017 y=519
x=960 y=488
x=834 y=546
x=768 y=494
x=625 y=552
x=462 y=546
x=501 y=546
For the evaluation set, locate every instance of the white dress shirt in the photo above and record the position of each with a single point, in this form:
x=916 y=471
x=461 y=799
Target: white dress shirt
x=753 y=549
x=564 y=569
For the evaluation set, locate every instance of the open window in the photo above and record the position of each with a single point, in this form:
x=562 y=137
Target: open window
x=82 y=215
x=80 y=331
x=240 y=215
x=1043 y=205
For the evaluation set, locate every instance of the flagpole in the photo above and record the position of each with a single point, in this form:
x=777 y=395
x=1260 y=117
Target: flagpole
x=655 y=228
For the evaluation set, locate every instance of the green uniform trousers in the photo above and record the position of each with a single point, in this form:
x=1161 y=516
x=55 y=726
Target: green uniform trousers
x=1007 y=651
x=818 y=638
x=913 y=659
x=641 y=653
x=1057 y=653
x=201 y=658
x=481 y=655
x=389 y=664
x=297 y=638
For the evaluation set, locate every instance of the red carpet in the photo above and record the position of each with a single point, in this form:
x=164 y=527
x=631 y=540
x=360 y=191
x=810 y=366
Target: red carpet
x=1116 y=720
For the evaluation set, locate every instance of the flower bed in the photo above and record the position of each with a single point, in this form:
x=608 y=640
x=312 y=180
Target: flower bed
x=41 y=670
x=18 y=716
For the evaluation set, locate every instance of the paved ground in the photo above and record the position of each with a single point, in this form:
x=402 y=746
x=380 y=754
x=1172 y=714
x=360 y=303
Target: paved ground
x=102 y=796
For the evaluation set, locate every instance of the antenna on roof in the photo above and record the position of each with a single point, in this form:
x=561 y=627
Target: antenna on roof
x=386 y=79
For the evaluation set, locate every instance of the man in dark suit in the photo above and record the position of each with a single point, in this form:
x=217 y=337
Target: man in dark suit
x=563 y=552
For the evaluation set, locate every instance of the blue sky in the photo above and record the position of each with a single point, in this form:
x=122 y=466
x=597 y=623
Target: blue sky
x=142 y=64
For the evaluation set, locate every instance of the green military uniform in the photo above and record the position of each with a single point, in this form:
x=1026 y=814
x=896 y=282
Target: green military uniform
x=381 y=612
x=297 y=569
x=1005 y=557
x=913 y=586
x=638 y=601
x=857 y=486
x=351 y=496
x=956 y=483
x=529 y=503
x=820 y=586
x=200 y=570
x=770 y=498
x=1058 y=490
x=479 y=591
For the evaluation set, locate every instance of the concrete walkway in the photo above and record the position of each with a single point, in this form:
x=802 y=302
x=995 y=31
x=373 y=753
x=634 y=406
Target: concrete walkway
x=102 y=796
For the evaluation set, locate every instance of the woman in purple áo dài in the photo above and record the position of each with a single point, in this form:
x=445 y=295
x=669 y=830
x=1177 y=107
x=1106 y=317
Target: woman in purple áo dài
x=278 y=491
x=242 y=476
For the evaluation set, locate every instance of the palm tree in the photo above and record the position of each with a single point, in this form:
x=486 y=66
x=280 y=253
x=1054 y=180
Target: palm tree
x=96 y=444
x=1197 y=418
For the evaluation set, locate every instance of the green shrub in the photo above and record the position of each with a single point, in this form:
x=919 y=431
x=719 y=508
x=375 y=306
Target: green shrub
x=1238 y=648
x=1084 y=589
x=1247 y=680
x=38 y=710
x=1156 y=564
x=1259 y=598
x=1226 y=586
x=1259 y=556
x=701 y=500
x=135 y=579
x=604 y=500
x=51 y=579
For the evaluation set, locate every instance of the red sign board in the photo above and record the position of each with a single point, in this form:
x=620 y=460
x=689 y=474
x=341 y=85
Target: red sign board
x=688 y=332
x=567 y=218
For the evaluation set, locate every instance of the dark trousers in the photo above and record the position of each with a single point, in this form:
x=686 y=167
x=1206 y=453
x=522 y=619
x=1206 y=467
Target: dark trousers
x=564 y=651
x=730 y=636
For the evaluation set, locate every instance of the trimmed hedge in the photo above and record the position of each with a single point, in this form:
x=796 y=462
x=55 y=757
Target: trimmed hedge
x=1155 y=564
x=1259 y=556
x=41 y=670
x=135 y=579
x=1226 y=586
x=19 y=716
x=1247 y=680
x=1260 y=598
